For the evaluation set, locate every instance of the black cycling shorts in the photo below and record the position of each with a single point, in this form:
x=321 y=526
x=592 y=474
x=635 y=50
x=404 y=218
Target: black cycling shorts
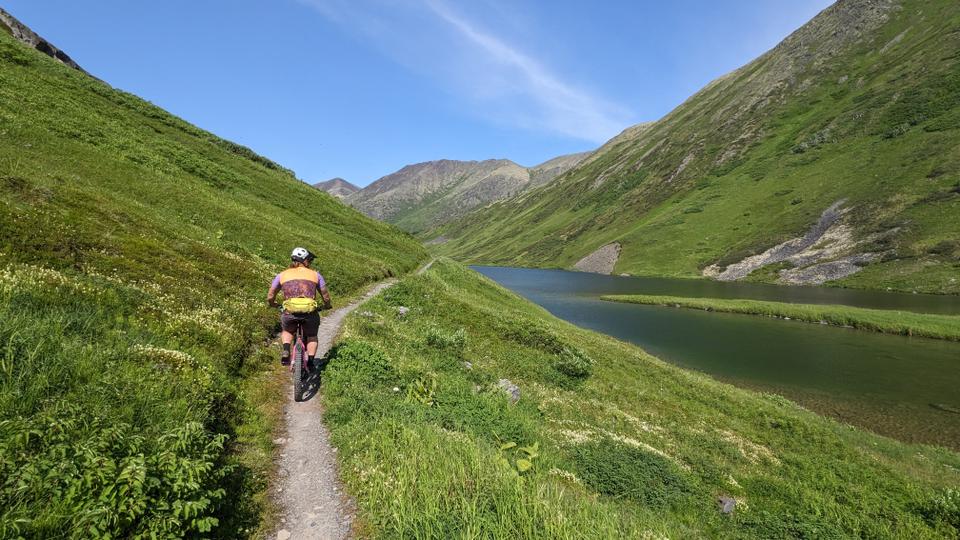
x=309 y=321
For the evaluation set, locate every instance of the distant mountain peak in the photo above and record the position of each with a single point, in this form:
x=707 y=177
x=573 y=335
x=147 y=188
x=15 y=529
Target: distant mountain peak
x=27 y=36
x=423 y=195
x=338 y=187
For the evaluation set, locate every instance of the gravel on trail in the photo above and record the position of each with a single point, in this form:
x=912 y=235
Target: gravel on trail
x=308 y=489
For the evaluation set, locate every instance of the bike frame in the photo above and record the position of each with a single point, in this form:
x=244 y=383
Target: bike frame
x=298 y=364
x=299 y=346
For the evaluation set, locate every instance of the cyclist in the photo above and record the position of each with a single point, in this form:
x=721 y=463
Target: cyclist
x=300 y=286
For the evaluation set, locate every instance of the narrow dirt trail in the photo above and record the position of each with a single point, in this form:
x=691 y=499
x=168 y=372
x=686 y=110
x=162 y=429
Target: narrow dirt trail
x=314 y=504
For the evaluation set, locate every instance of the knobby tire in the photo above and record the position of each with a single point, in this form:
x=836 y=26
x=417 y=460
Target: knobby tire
x=298 y=371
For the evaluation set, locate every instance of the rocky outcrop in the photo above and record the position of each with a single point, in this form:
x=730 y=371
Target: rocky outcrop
x=23 y=33
x=338 y=187
x=510 y=389
x=600 y=261
x=818 y=274
x=828 y=251
x=786 y=250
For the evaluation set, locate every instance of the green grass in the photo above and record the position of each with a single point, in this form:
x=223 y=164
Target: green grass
x=605 y=441
x=135 y=254
x=877 y=320
x=843 y=133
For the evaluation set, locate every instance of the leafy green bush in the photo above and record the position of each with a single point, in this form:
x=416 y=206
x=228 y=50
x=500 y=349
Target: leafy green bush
x=10 y=52
x=529 y=333
x=358 y=363
x=422 y=391
x=455 y=342
x=405 y=293
x=106 y=479
x=944 y=508
x=782 y=523
x=573 y=363
x=484 y=413
x=360 y=379
x=518 y=458
x=622 y=470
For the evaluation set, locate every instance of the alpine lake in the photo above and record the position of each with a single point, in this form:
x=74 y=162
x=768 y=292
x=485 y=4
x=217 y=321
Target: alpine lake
x=903 y=387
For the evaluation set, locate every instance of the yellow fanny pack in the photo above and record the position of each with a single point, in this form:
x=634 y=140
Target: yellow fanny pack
x=300 y=305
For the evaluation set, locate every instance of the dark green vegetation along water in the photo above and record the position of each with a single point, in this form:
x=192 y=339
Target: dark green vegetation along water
x=907 y=388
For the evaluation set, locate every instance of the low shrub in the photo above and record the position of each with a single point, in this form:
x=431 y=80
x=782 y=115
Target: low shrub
x=786 y=524
x=13 y=54
x=486 y=414
x=358 y=382
x=405 y=293
x=622 y=470
x=359 y=363
x=943 y=509
x=573 y=363
x=526 y=332
x=454 y=342
x=947 y=247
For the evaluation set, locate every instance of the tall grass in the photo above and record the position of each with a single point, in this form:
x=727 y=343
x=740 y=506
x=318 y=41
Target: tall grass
x=630 y=447
x=135 y=252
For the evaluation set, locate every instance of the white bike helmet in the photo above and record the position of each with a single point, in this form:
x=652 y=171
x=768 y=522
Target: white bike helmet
x=300 y=254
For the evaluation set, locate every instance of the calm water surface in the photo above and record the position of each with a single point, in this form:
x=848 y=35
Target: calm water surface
x=886 y=383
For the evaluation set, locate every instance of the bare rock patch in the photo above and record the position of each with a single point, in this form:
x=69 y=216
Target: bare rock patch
x=600 y=261
x=828 y=251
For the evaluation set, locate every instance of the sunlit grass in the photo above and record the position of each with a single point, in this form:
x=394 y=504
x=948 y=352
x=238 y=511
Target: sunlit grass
x=136 y=395
x=634 y=448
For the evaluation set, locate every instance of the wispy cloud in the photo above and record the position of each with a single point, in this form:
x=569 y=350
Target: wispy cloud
x=500 y=81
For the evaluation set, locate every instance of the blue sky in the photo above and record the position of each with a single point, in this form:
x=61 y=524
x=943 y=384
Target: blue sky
x=359 y=88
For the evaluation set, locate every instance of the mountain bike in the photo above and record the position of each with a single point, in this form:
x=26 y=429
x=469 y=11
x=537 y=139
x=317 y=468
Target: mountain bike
x=298 y=364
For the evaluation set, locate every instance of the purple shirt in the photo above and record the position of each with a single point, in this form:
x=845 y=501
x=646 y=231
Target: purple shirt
x=320 y=282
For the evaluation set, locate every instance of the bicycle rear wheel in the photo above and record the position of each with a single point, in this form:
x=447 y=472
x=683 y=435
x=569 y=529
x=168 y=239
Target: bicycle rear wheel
x=298 y=361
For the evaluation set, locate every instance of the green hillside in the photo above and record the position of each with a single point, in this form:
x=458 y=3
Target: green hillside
x=861 y=105
x=135 y=253
x=605 y=441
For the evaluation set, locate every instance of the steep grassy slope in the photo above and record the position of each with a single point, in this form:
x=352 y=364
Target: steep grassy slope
x=862 y=104
x=424 y=195
x=604 y=442
x=135 y=252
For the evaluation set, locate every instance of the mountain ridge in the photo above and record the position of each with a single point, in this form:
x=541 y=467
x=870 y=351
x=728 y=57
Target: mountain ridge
x=429 y=193
x=860 y=104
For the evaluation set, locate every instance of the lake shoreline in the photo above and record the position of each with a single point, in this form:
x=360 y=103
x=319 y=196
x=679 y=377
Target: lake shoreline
x=884 y=382
x=901 y=323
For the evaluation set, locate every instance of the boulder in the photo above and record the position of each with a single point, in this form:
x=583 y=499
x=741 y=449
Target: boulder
x=512 y=390
x=726 y=504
